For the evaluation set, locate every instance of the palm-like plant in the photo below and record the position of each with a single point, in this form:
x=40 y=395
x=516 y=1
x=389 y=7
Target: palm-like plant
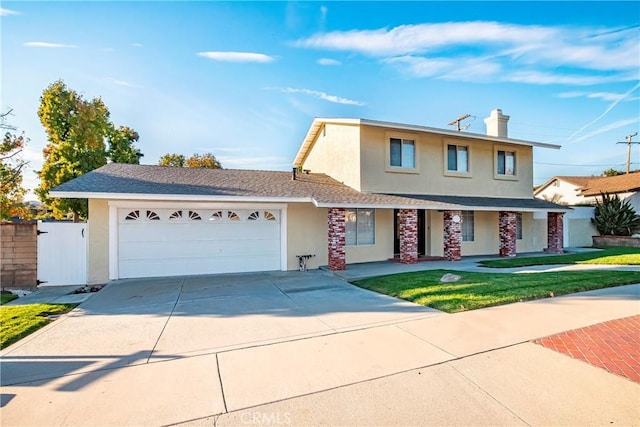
x=615 y=217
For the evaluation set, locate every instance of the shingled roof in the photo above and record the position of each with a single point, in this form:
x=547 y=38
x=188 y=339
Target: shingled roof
x=612 y=184
x=137 y=182
x=123 y=181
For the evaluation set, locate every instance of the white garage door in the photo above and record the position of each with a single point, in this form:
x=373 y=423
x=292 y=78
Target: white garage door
x=171 y=242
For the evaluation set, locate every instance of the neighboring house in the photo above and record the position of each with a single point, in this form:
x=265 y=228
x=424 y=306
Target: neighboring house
x=365 y=191
x=585 y=190
x=564 y=190
x=626 y=186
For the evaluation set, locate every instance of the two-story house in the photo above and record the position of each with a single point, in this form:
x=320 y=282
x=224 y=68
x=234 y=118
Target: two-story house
x=360 y=191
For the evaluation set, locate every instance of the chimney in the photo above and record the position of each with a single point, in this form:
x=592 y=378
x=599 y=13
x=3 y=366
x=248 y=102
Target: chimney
x=497 y=124
x=293 y=174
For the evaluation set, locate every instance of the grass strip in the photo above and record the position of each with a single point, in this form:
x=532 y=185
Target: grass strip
x=18 y=321
x=478 y=290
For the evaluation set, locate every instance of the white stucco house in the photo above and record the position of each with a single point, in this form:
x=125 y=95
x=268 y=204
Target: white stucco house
x=361 y=190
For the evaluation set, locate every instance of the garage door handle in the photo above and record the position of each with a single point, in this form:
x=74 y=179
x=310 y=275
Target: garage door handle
x=83 y=232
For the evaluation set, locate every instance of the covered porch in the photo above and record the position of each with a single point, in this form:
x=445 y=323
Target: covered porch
x=449 y=234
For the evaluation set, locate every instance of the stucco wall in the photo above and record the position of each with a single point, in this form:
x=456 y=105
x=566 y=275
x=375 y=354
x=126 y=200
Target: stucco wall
x=98 y=242
x=430 y=176
x=306 y=234
x=383 y=247
x=486 y=235
x=534 y=238
x=336 y=152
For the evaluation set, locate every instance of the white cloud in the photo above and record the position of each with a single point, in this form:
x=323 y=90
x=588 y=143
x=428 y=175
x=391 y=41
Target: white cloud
x=49 y=45
x=237 y=56
x=328 y=61
x=606 y=96
x=606 y=128
x=407 y=39
x=531 y=54
x=545 y=78
x=322 y=95
x=136 y=44
x=465 y=69
x=607 y=110
x=121 y=82
x=7 y=12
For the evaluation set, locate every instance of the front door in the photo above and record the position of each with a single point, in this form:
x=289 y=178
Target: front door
x=421 y=232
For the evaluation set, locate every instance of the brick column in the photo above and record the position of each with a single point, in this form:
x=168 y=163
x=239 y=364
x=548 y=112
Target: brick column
x=555 y=235
x=507 y=229
x=336 y=238
x=452 y=235
x=408 y=236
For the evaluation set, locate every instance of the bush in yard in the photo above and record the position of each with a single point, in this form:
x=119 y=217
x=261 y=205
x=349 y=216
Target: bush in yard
x=615 y=217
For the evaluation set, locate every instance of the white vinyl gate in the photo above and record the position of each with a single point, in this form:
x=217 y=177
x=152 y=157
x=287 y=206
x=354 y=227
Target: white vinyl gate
x=62 y=253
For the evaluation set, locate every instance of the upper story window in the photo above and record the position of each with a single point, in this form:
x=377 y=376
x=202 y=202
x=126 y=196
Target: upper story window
x=468 y=226
x=402 y=153
x=360 y=226
x=506 y=163
x=457 y=158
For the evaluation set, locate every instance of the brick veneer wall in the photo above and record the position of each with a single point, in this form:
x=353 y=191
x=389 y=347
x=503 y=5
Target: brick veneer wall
x=507 y=229
x=555 y=242
x=19 y=255
x=452 y=236
x=408 y=236
x=336 y=238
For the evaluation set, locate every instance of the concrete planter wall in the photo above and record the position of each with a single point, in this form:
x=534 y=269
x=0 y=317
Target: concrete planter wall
x=624 y=241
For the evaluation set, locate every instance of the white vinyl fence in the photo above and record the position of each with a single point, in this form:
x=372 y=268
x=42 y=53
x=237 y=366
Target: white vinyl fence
x=62 y=253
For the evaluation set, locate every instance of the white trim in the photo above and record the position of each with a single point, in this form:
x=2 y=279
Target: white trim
x=201 y=205
x=283 y=238
x=113 y=242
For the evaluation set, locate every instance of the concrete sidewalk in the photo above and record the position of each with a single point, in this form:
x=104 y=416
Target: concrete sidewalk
x=473 y=367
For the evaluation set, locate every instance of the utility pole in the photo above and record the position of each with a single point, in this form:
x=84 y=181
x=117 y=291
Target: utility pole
x=629 y=142
x=458 y=120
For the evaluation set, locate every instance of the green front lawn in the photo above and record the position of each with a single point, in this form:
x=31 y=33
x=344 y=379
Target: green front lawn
x=478 y=290
x=18 y=321
x=5 y=298
x=610 y=256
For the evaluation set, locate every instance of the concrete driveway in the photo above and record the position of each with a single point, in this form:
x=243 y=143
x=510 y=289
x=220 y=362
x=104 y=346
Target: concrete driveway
x=308 y=349
x=138 y=321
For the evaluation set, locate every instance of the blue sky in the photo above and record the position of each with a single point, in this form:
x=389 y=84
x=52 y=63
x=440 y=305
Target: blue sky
x=244 y=80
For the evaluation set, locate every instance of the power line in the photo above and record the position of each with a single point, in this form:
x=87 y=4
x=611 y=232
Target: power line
x=585 y=166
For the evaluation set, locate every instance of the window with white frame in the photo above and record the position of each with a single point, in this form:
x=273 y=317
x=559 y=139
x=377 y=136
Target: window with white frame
x=518 y=226
x=360 y=227
x=457 y=158
x=402 y=153
x=468 y=227
x=506 y=164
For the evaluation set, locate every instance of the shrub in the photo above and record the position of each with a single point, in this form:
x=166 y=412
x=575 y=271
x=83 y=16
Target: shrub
x=615 y=217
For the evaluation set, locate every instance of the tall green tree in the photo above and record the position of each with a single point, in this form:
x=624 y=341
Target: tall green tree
x=121 y=145
x=11 y=165
x=77 y=130
x=175 y=160
x=206 y=160
x=612 y=172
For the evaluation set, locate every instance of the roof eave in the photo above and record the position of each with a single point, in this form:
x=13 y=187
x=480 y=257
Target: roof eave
x=176 y=197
